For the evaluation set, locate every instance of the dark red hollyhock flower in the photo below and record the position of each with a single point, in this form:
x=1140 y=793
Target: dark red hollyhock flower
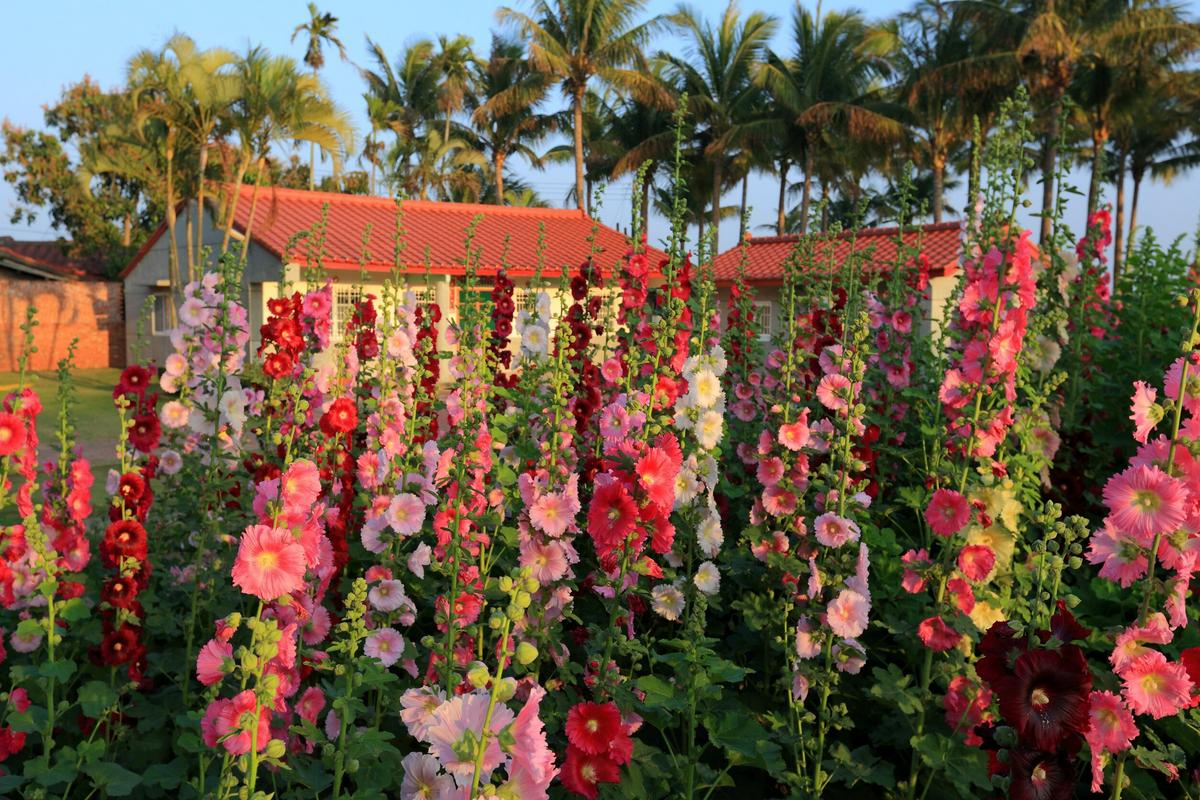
x=1191 y=662
x=342 y=417
x=583 y=772
x=119 y=592
x=131 y=487
x=997 y=650
x=144 y=432
x=1037 y=775
x=1046 y=698
x=1064 y=627
x=123 y=539
x=69 y=590
x=120 y=645
x=135 y=379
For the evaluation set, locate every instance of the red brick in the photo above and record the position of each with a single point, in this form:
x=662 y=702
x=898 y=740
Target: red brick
x=91 y=311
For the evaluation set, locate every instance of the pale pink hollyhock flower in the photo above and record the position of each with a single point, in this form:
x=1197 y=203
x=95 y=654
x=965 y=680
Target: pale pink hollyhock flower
x=848 y=656
x=1123 y=561
x=333 y=726
x=1131 y=642
x=807 y=645
x=552 y=513
x=25 y=644
x=548 y=560
x=387 y=596
x=1144 y=501
x=422 y=779
x=406 y=514
x=169 y=462
x=317 y=627
x=770 y=471
x=834 y=531
x=174 y=414
x=532 y=766
x=1111 y=730
x=833 y=392
x=417 y=707
x=300 y=486
x=270 y=563
x=450 y=723
x=847 y=614
x=385 y=644
x=310 y=704
x=210 y=663
x=1155 y=686
x=799 y=687
x=419 y=559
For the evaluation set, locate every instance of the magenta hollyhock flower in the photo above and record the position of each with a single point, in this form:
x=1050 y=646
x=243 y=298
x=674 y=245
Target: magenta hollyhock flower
x=834 y=531
x=406 y=514
x=210 y=663
x=386 y=645
x=948 y=512
x=1144 y=501
x=976 y=562
x=935 y=634
x=1155 y=686
x=310 y=704
x=1124 y=560
x=847 y=614
x=1144 y=411
x=270 y=563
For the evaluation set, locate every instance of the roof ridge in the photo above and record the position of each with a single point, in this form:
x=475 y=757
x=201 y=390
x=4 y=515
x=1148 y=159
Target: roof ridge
x=932 y=227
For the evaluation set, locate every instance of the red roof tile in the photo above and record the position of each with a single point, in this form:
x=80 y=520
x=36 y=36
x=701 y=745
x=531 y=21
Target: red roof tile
x=50 y=257
x=766 y=255
x=436 y=228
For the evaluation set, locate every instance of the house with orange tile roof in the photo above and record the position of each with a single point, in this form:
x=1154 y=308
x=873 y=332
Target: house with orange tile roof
x=363 y=241
x=766 y=256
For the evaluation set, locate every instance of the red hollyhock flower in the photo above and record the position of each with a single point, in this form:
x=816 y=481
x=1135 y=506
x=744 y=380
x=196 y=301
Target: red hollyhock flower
x=119 y=592
x=1047 y=696
x=592 y=727
x=120 y=645
x=611 y=516
x=342 y=417
x=1037 y=775
x=1064 y=627
x=135 y=379
x=12 y=433
x=144 y=432
x=656 y=474
x=937 y=635
x=997 y=649
x=278 y=365
x=583 y=772
x=124 y=538
x=131 y=487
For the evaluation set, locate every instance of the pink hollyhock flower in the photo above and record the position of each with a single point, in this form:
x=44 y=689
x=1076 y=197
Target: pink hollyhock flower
x=452 y=720
x=966 y=706
x=807 y=645
x=770 y=471
x=847 y=614
x=423 y=779
x=387 y=595
x=386 y=645
x=310 y=704
x=937 y=635
x=235 y=724
x=270 y=563
x=552 y=513
x=948 y=512
x=1144 y=411
x=964 y=597
x=174 y=414
x=976 y=561
x=912 y=581
x=532 y=766
x=419 y=559
x=656 y=473
x=833 y=391
x=18 y=700
x=1111 y=725
x=317 y=627
x=834 y=531
x=1124 y=560
x=1155 y=686
x=1191 y=394
x=794 y=435
x=210 y=663
x=548 y=560
x=779 y=502
x=1144 y=501
x=417 y=707
x=406 y=514
x=300 y=487
x=1130 y=644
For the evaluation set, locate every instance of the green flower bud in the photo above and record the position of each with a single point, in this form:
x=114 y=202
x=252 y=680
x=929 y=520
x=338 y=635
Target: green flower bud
x=276 y=748
x=478 y=676
x=526 y=653
x=506 y=690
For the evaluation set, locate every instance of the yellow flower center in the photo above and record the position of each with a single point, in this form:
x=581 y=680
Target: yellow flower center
x=266 y=560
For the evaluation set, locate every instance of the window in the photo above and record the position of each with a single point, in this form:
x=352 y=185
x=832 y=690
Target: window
x=160 y=312
x=764 y=319
x=344 y=301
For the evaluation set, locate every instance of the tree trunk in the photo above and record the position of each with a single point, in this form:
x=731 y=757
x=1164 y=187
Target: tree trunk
x=253 y=208
x=1099 y=137
x=1119 y=223
x=200 y=208
x=1049 y=164
x=646 y=202
x=1138 y=174
x=781 y=216
x=824 y=207
x=312 y=166
x=498 y=166
x=173 y=275
x=243 y=164
x=187 y=234
x=939 y=185
x=716 y=202
x=742 y=216
x=587 y=192
x=806 y=195
x=127 y=230
x=577 y=112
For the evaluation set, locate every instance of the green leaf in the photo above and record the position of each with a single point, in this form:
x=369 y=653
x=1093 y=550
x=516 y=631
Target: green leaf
x=29 y=628
x=894 y=687
x=722 y=671
x=505 y=475
x=168 y=775
x=744 y=740
x=659 y=693
x=115 y=779
x=860 y=766
x=95 y=697
x=60 y=670
x=74 y=610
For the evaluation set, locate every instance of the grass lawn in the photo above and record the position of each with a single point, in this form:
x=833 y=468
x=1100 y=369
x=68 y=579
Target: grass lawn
x=95 y=417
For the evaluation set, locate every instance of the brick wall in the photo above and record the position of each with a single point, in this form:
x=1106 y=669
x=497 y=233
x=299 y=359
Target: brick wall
x=91 y=311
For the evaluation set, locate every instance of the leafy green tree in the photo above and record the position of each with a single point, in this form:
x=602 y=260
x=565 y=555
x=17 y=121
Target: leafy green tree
x=319 y=31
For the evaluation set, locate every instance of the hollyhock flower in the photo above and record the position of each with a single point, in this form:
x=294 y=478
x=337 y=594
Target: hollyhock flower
x=174 y=414
x=406 y=514
x=210 y=664
x=707 y=578
x=1191 y=394
x=1152 y=685
x=417 y=707
x=948 y=512
x=770 y=471
x=1123 y=560
x=592 y=727
x=1046 y=696
x=552 y=513
x=846 y=615
x=310 y=705
x=548 y=560
x=779 y=502
x=710 y=427
x=419 y=558
x=387 y=595
x=532 y=766
x=1038 y=775
x=612 y=514
x=300 y=486
x=976 y=562
x=704 y=389
x=937 y=635
x=709 y=535
x=341 y=417
x=966 y=706
x=423 y=779
x=386 y=645
x=912 y=581
x=1131 y=642
x=270 y=563
x=1111 y=726
x=962 y=594
x=144 y=432
x=450 y=724
x=1144 y=501
x=834 y=531
x=833 y=392
x=667 y=601
x=124 y=538
x=583 y=772
x=235 y=720
x=1144 y=411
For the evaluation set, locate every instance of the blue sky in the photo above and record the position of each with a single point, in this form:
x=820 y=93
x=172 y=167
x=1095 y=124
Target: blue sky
x=55 y=43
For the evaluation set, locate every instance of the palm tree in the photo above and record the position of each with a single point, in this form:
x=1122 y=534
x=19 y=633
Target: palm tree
x=449 y=169
x=643 y=133
x=402 y=99
x=828 y=87
x=320 y=30
x=455 y=65
x=717 y=71
x=506 y=122
x=576 y=41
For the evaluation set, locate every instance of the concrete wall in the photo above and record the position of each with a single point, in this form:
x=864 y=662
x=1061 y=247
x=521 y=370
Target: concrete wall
x=90 y=311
